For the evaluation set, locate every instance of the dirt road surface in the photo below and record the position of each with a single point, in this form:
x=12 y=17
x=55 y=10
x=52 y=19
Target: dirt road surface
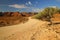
x=32 y=30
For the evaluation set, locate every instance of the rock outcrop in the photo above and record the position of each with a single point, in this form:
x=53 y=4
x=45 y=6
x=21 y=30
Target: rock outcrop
x=56 y=18
x=24 y=14
x=10 y=18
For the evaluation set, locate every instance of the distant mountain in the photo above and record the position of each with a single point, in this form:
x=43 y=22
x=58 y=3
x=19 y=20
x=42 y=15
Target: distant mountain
x=24 y=14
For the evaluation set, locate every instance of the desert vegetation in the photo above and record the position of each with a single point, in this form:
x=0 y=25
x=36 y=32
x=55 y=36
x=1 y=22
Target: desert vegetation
x=47 y=13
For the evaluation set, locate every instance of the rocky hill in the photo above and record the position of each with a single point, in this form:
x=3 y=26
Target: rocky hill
x=11 y=18
x=24 y=14
x=56 y=18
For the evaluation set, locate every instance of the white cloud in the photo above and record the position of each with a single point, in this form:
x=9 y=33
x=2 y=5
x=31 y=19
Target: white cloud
x=36 y=10
x=26 y=3
x=18 y=6
x=52 y=6
x=29 y=3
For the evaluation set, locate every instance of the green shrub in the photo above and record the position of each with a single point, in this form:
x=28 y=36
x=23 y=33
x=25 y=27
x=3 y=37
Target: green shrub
x=46 y=13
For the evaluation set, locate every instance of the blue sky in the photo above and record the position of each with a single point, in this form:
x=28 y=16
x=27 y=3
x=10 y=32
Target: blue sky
x=27 y=5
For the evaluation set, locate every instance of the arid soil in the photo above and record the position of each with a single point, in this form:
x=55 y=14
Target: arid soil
x=32 y=30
